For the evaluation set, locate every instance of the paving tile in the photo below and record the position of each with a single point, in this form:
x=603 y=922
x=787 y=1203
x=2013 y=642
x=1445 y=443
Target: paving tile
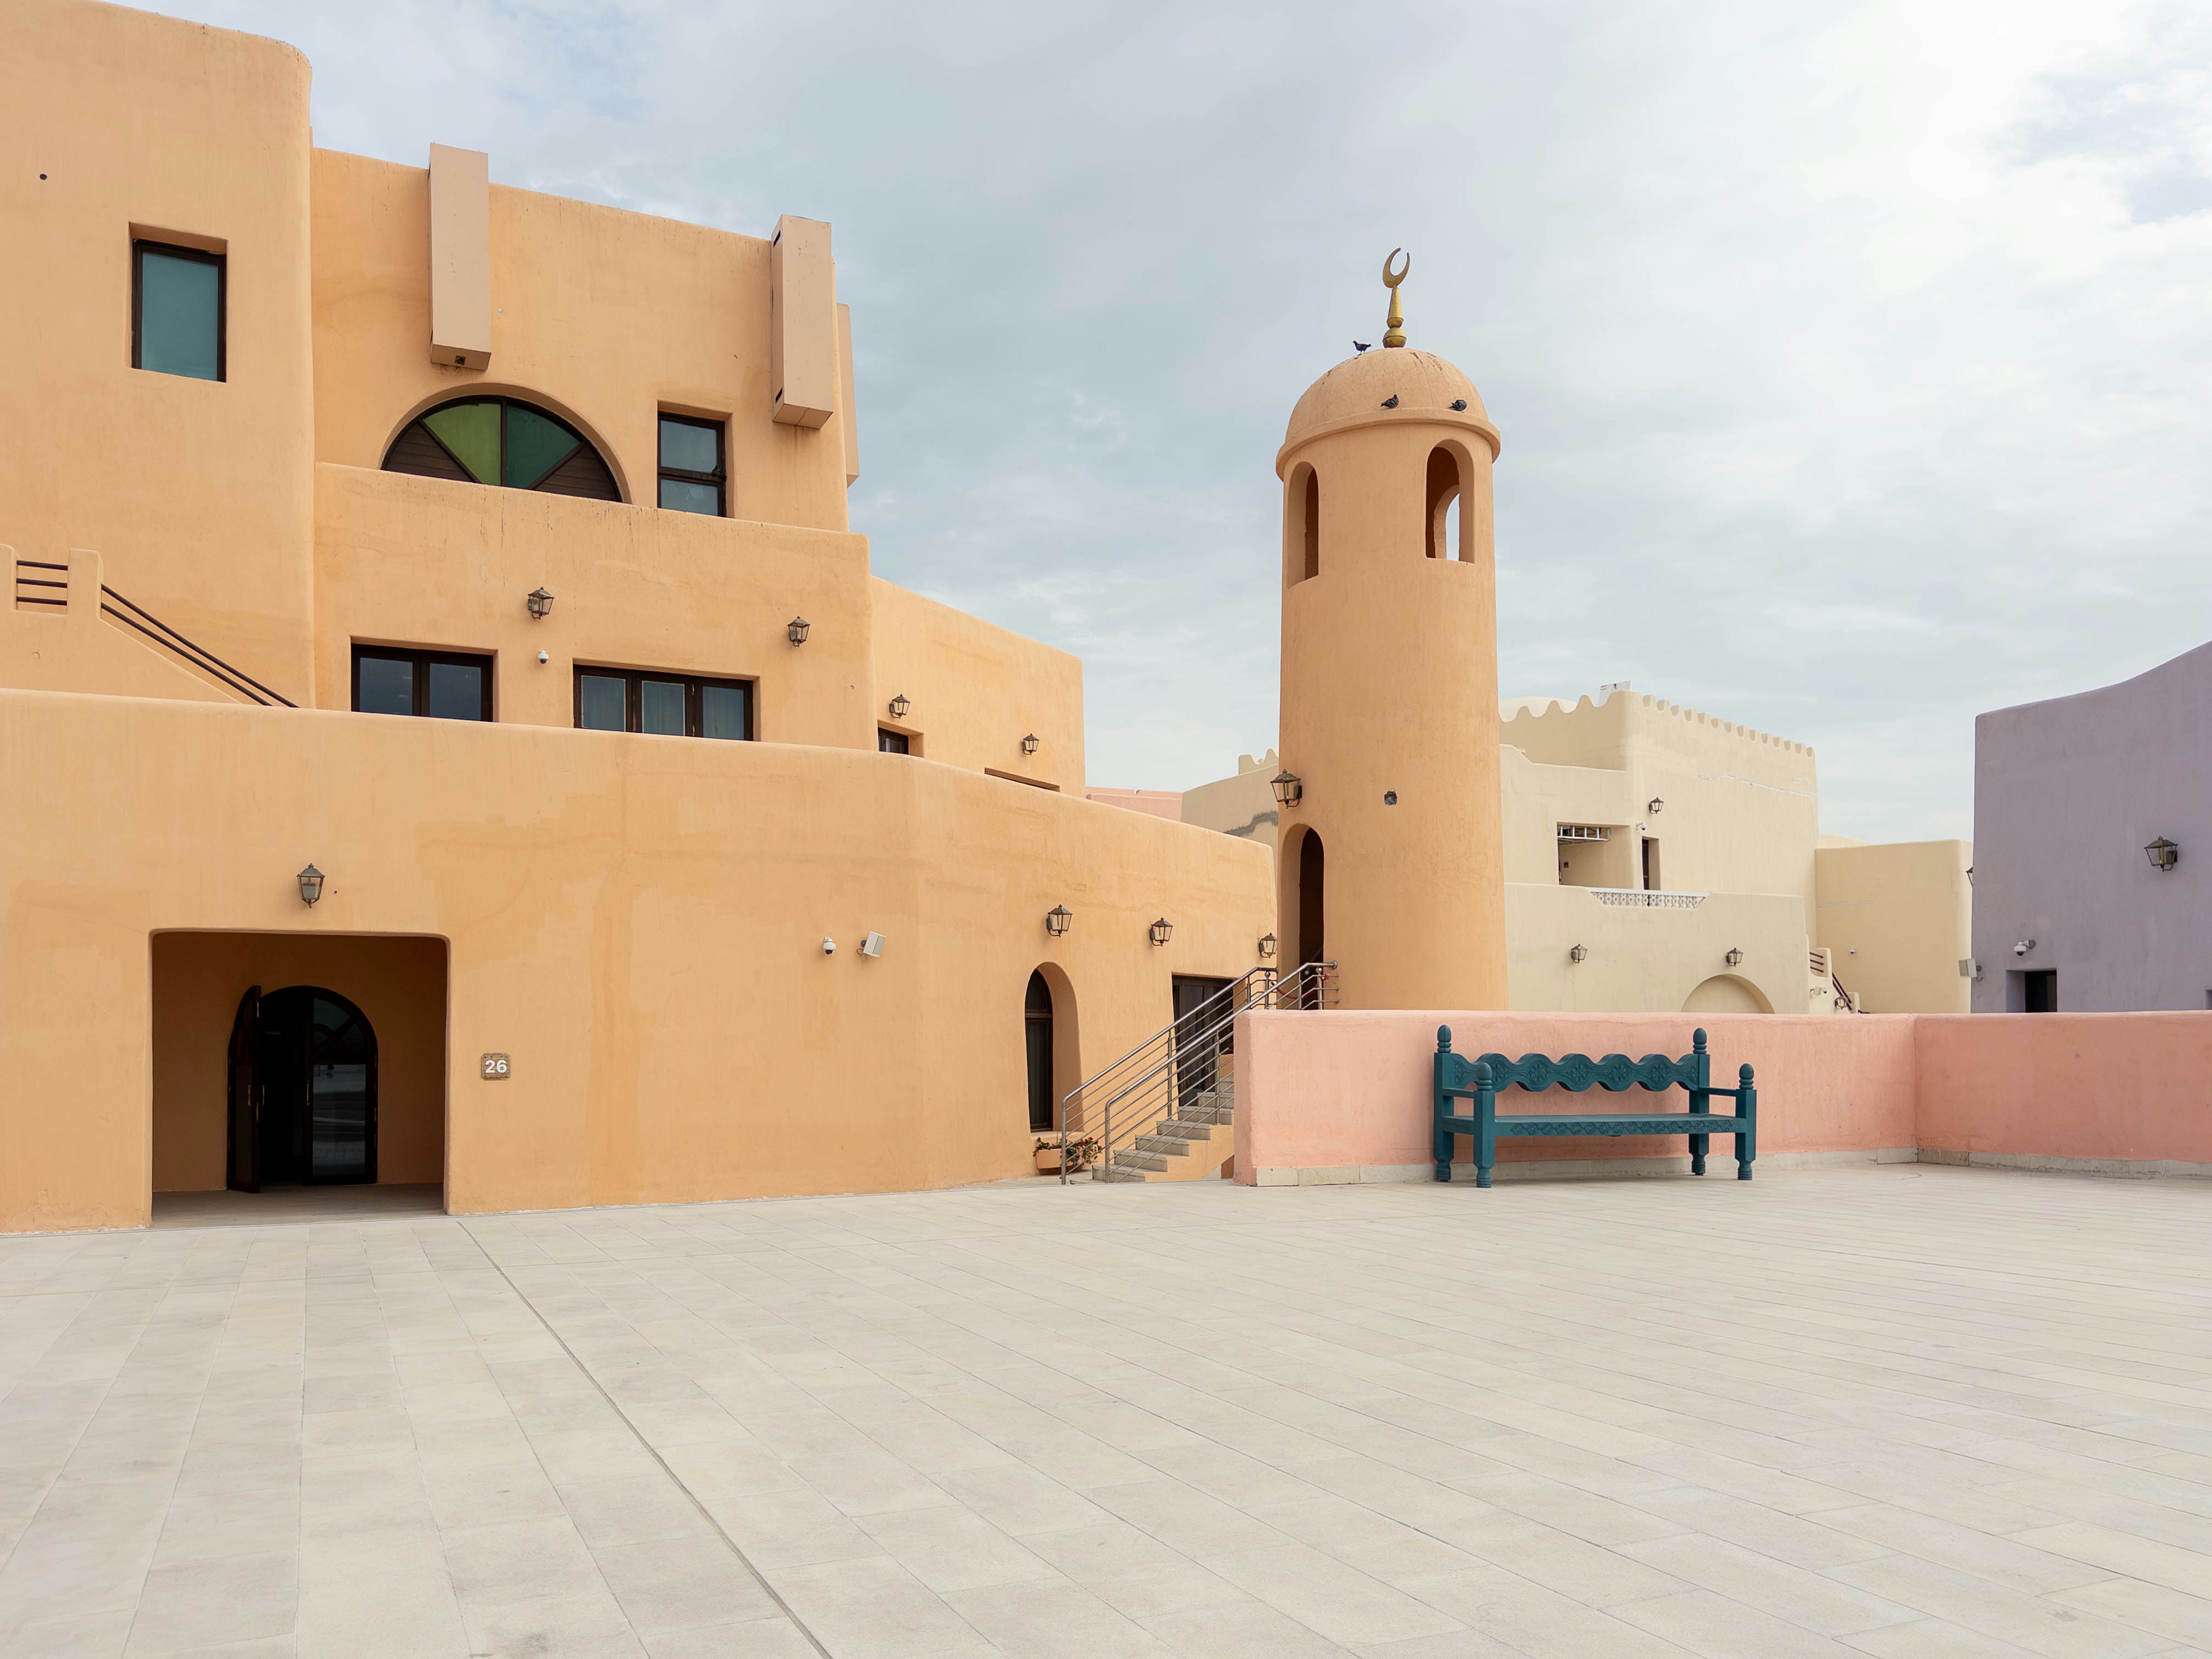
x=875 y=1609
x=189 y=1605
x=1789 y=1593
x=950 y=1547
x=2041 y=1624
x=1719 y=1628
x=1326 y=1596
x=1244 y=1629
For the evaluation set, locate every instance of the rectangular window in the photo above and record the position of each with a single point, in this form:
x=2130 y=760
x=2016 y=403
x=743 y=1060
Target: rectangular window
x=442 y=685
x=671 y=705
x=691 y=471
x=177 y=298
x=892 y=743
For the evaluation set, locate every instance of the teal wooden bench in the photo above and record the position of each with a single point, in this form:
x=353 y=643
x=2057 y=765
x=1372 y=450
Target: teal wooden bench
x=1480 y=1080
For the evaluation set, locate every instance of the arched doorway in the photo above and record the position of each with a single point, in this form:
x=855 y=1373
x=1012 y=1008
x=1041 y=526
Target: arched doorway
x=1312 y=898
x=1725 y=993
x=302 y=1091
x=1036 y=1025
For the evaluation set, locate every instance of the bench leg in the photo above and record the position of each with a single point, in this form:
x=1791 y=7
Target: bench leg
x=1747 y=1142
x=1486 y=1138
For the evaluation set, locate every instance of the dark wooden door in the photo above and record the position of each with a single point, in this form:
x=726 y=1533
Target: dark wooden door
x=244 y=1157
x=1195 y=1051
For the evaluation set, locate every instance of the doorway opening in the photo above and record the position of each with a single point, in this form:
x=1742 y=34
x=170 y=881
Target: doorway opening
x=303 y=1091
x=1198 y=1055
x=1036 y=1026
x=2032 y=991
x=1651 y=864
x=312 y=1064
x=1312 y=885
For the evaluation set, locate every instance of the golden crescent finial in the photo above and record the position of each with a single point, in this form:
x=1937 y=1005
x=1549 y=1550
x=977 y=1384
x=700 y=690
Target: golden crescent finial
x=1395 y=322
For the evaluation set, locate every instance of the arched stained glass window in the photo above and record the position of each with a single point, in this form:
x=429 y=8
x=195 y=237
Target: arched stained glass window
x=503 y=440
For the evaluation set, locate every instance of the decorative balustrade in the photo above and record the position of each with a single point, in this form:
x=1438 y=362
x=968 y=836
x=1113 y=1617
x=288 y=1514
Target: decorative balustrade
x=1639 y=898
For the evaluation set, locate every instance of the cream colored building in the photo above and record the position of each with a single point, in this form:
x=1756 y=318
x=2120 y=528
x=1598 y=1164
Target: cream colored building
x=1659 y=859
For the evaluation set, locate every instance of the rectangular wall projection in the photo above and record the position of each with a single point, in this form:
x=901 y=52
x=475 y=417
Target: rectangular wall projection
x=802 y=326
x=460 y=257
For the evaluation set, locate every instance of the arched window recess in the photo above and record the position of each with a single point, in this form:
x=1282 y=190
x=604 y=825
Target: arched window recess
x=504 y=441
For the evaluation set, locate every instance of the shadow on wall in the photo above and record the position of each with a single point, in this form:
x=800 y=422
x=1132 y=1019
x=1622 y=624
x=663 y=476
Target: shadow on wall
x=395 y=983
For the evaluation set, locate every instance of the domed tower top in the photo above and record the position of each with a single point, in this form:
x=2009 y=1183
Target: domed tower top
x=1376 y=388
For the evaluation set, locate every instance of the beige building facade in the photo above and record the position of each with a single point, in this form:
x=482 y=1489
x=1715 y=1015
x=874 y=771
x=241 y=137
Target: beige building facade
x=453 y=733
x=1658 y=858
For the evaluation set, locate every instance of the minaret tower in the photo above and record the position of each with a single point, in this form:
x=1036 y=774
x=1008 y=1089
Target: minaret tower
x=1391 y=863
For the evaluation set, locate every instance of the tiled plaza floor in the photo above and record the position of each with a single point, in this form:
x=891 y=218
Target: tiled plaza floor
x=1914 y=1412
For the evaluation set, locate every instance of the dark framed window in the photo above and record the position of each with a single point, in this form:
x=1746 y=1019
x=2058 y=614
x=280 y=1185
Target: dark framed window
x=667 y=705
x=692 y=474
x=177 y=300
x=440 y=685
x=893 y=743
x=504 y=441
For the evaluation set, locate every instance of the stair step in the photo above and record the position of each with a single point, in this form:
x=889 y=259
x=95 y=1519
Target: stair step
x=1128 y=1157
x=1165 y=1145
x=1185 y=1128
x=1118 y=1175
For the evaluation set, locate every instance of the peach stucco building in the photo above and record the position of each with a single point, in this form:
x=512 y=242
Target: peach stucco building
x=476 y=562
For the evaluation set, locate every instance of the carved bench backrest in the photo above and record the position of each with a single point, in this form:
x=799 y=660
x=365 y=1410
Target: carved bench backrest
x=1575 y=1072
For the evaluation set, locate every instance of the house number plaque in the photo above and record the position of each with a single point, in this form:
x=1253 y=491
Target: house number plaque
x=496 y=1067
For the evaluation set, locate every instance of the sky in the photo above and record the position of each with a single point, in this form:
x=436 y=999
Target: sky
x=1853 y=362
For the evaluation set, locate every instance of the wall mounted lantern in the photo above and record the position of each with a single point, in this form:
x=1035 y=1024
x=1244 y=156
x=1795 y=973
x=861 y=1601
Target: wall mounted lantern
x=1654 y=807
x=898 y=705
x=797 y=630
x=1058 y=921
x=1581 y=952
x=1267 y=947
x=2162 y=853
x=1030 y=744
x=1290 y=788
x=311 y=886
x=540 y=603
x=1733 y=958
x=1162 y=930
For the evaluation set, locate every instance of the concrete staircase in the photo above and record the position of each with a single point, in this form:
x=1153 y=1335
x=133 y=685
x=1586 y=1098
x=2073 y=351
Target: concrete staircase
x=1191 y=1144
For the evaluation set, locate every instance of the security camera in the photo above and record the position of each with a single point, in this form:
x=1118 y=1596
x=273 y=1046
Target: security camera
x=828 y=946
x=2023 y=947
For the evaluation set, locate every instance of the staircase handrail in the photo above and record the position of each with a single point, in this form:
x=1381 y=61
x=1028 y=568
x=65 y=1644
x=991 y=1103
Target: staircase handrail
x=198 y=655
x=1194 y=1039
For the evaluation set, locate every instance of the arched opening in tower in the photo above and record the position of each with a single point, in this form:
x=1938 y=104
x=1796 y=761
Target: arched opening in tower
x=1445 y=521
x=1302 y=540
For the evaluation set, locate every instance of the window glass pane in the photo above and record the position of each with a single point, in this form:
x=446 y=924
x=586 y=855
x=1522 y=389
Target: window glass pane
x=471 y=430
x=892 y=743
x=338 y=1135
x=690 y=448
x=535 y=446
x=685 y=497
x=722 y=711
x=457 y=692
x=602 y=702
x=179 y=315
x=661 y=707
x=386 y=685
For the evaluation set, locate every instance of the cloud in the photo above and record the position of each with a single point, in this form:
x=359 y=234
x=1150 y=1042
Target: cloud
x=1849 y=360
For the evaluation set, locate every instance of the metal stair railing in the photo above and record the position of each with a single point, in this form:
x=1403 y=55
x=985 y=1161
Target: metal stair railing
x=1174 y=1074
x=159 y=632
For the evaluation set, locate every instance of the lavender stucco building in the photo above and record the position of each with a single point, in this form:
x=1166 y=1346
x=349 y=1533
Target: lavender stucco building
x=2068 y=796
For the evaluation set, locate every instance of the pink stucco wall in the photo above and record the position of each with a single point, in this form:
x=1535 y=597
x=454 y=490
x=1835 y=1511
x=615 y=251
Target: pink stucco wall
x=1349 y=1091
x=2136 y=1087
